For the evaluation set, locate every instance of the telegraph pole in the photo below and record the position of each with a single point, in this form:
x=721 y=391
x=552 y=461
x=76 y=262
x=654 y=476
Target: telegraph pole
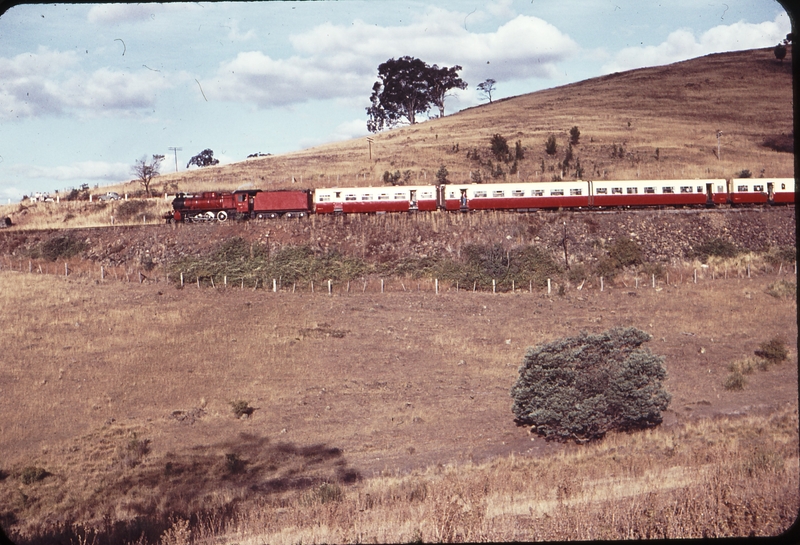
x=176 y=150
x=719 y=135
x=369 y=141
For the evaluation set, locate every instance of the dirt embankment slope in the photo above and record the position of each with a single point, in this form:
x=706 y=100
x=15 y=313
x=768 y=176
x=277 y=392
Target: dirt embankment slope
x=666 y=237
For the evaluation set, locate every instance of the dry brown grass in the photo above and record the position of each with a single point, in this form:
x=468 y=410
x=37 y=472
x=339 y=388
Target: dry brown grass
x=415 y=381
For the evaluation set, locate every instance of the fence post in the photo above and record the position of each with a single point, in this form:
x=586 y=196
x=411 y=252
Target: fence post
x=494 y=285
x=140 y=278
x=66 y=269
x=637 y=282
x=748 y=270
x=513 y=286
x=548 y=286
x=654 y=280
x=329 y=287
x=30 y=266
x=102 y=273
x=182 y=280
x=225 y=280
x=436 y=283
x=381 y=285
x=694 y=274
x=274 y=286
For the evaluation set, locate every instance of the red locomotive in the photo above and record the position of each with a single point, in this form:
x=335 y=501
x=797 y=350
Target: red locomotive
x=250 y=203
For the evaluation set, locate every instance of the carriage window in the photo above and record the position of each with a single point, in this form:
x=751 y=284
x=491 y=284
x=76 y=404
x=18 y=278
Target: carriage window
x=499 y=193
x=480 y=194
x=383 y=197
x=241 y=197
x=668 y=190
x=783 y=186
x=758 y=188
x=399 y=196
x=602 y=191
x=631 y=190
x=538 y=192
x=426 y=195
x=366 y=197
x=575 y=191
x=649 y=189
x=699 y=189
x=350 y=197
x=720 y=189
x=686 y=189
x=741 y=188
x=323 y=198
x=518 y=193
x=556 y=192
x=616 y=191
x=453 y=195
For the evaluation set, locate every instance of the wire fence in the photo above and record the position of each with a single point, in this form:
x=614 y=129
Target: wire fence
x=675 y=276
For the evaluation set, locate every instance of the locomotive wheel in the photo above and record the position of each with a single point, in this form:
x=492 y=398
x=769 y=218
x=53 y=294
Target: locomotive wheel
x=222 y=215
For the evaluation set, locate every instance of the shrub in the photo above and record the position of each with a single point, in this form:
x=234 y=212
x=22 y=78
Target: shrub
x=780 y=142
x=735 y=381
x=441 y=175
x=716 y=247
x=744 y=174
x=550 y=146
x=241 y=408
x=625 y=252
x=32 y=474
x=233 y=463
x=325 y=493
x=782 y=289
x=134 y=208
x=580 y=388
x=59 y=247
x=500 y=148
x=389 y=178
x=773 y=350
x=574 y=135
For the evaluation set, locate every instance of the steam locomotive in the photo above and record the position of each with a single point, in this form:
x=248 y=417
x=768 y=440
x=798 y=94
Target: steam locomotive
x=520 y=196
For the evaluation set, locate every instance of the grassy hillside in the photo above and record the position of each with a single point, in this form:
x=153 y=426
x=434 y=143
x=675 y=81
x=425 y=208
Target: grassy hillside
x=675 y=109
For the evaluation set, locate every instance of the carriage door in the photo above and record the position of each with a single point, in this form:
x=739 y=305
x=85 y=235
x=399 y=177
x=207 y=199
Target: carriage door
x=770 y=191
x=413 y=204
x=710 y=193
x=337 y=203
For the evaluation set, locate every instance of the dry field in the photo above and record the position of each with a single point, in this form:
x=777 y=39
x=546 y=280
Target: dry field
x=122 y=393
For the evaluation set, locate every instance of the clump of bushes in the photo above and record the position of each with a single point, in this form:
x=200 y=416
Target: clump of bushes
x=32 y=474
x=324 y=493
x=242 y=408
x=782 y=289
x=134 y=208
x=134 y=451
x=773 y=350
x=623 y=252
x=769 y=353
x=716 y=247
x=59 y=247
x=580 y=388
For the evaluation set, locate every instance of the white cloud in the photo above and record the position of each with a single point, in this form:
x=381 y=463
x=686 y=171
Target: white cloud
x=335 y=61
x=84 y=171
x=682 y=44
x=51 y=83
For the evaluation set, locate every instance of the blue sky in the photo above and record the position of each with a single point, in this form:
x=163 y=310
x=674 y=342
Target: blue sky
x=87 y=89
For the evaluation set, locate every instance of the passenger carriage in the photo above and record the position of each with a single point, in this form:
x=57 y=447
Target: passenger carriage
x=516 y=196
x=655 y=192
x=748 y=191
x=354 y=200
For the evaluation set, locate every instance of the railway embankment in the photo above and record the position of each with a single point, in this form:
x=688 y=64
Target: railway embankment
x=662 y=236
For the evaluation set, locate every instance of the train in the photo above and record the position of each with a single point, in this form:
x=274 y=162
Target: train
x=520 y=196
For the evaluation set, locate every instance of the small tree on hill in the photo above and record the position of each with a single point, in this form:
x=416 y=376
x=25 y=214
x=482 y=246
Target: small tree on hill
x=486 y=88
x=582 y=387
x=550 y=146
x=145 y=172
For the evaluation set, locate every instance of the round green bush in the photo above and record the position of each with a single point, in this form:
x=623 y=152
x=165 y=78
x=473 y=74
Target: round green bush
x=579 y=388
